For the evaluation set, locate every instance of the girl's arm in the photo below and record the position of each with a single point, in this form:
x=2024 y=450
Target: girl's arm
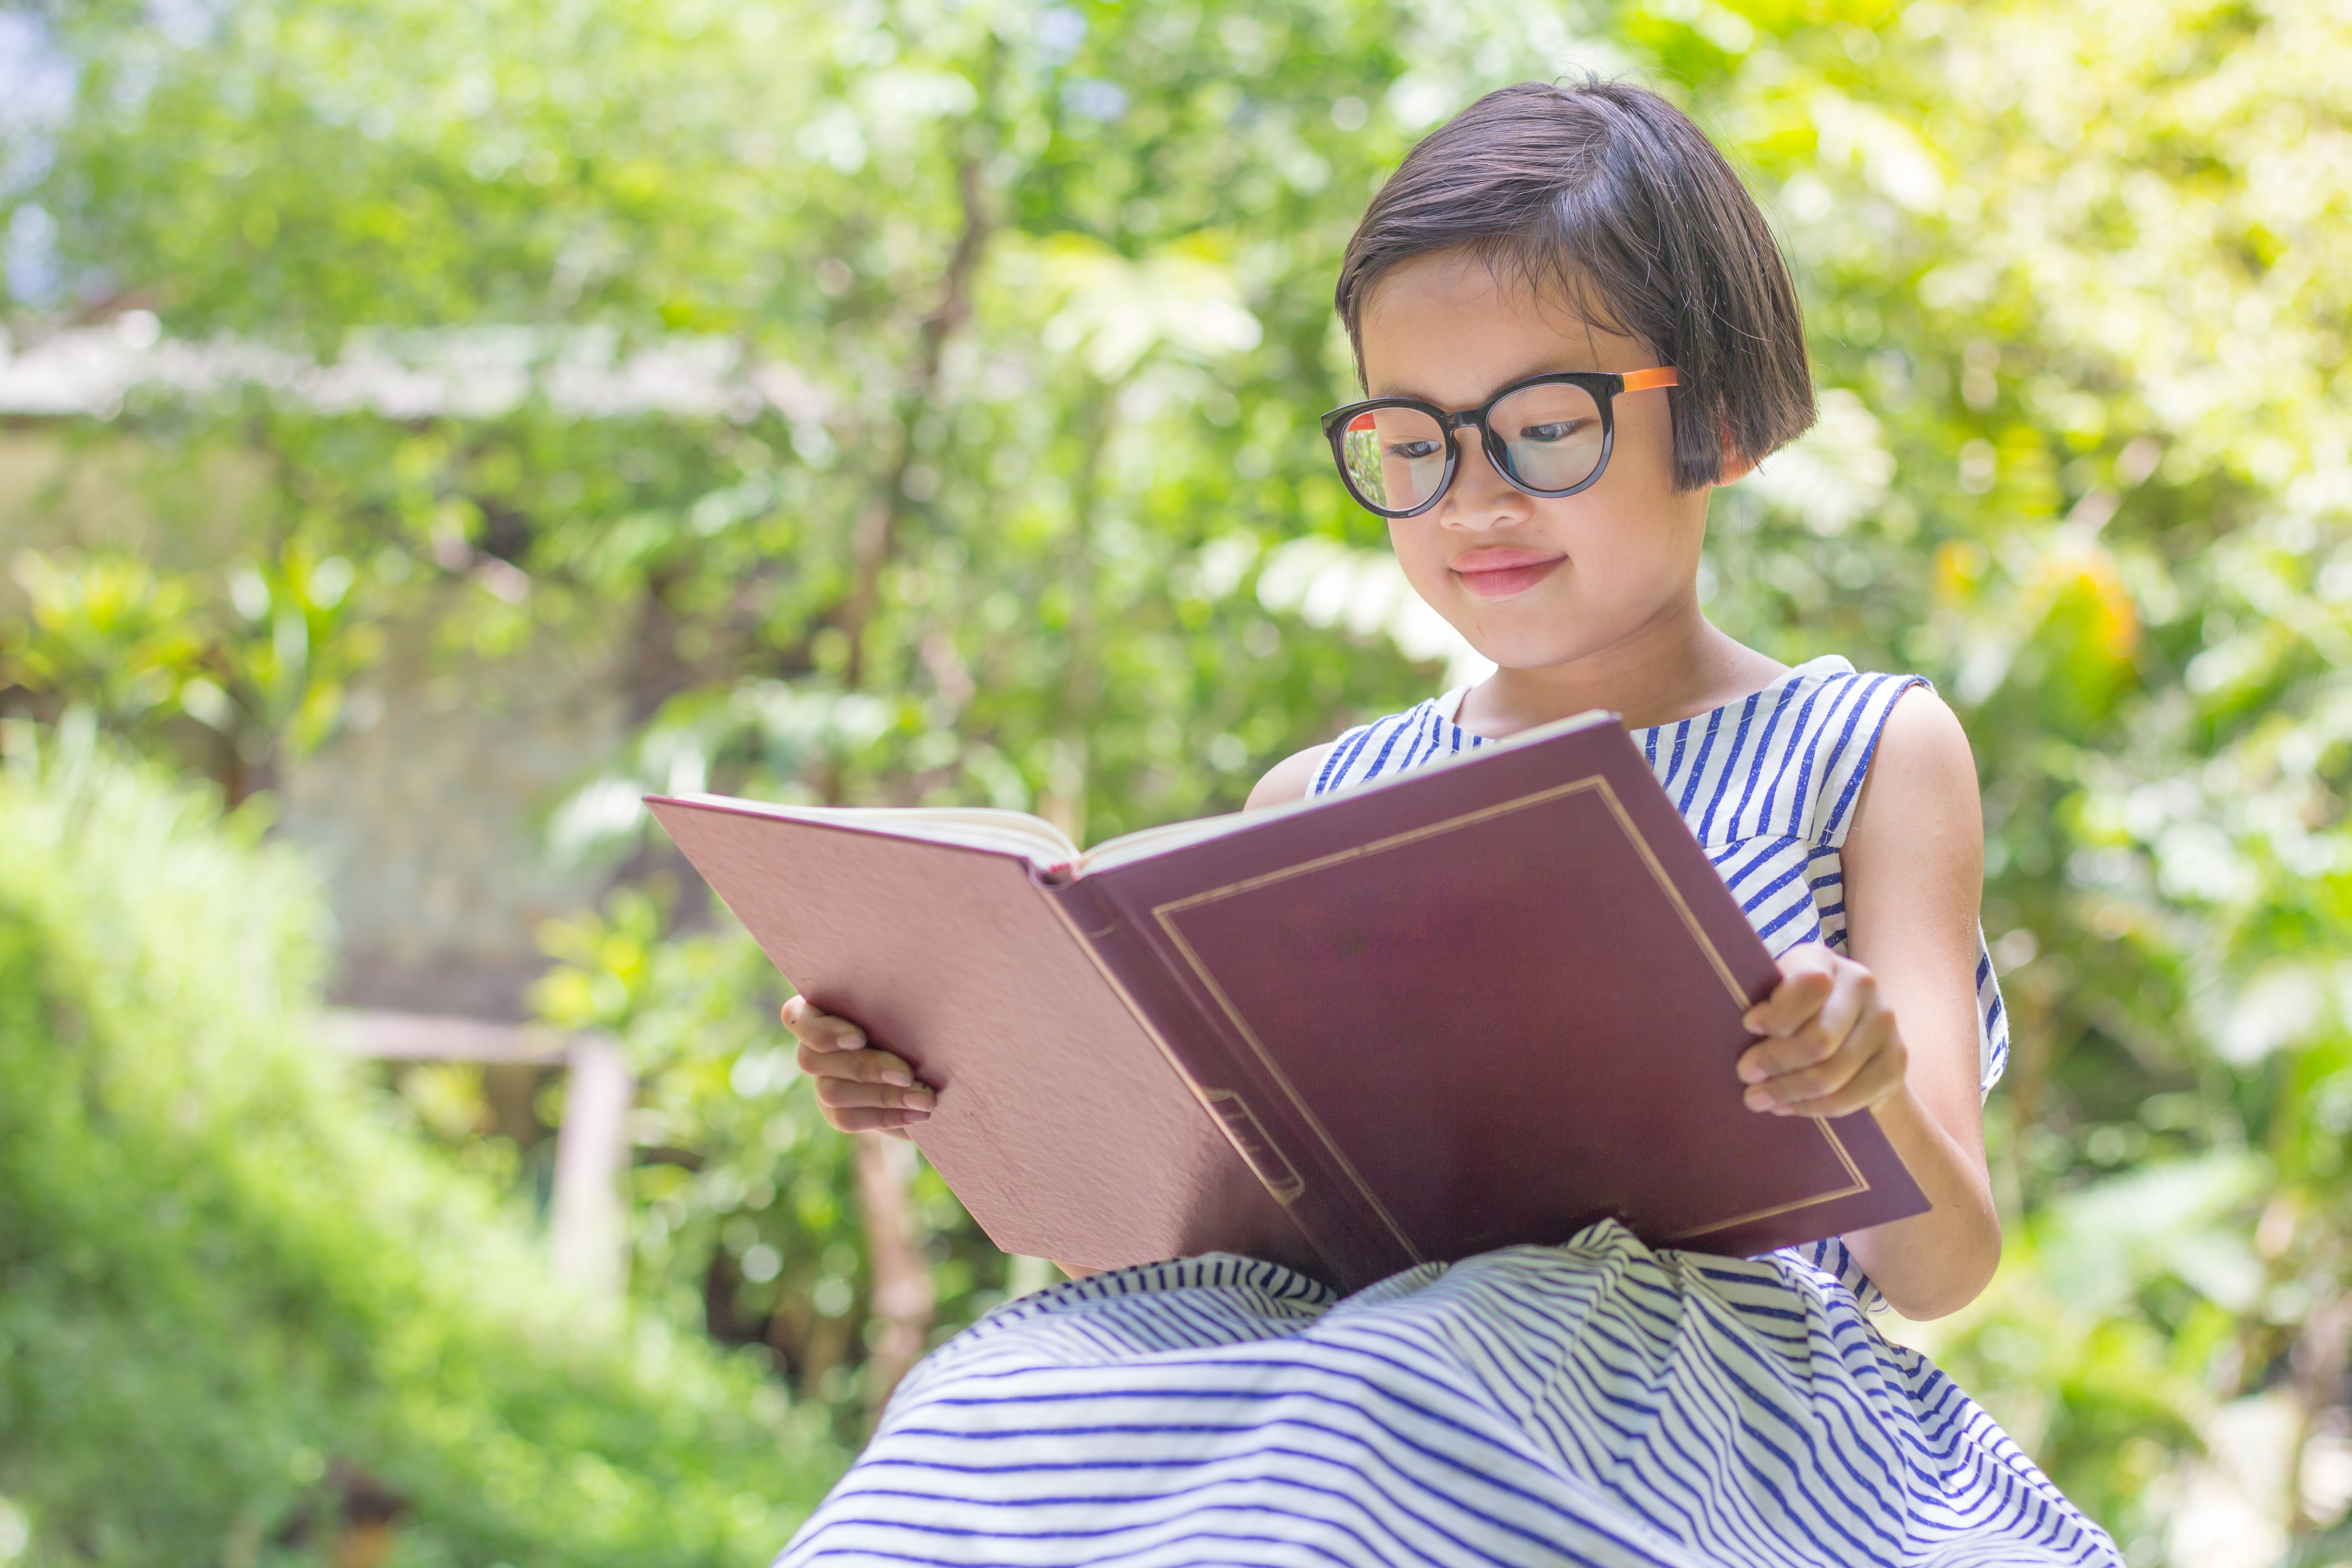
x=1894 y=1026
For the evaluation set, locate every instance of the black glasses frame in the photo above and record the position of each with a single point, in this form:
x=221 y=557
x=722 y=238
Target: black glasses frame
x=1603 y=386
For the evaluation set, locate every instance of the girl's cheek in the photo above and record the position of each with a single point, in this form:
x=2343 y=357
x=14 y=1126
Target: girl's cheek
x=1421 y=554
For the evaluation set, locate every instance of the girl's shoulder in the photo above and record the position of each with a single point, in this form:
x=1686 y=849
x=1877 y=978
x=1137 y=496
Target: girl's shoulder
x=1787 y=761
x=1864 y=727
x=1920 y=769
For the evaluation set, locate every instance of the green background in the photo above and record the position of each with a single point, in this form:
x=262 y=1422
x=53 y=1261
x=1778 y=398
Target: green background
x=1053 y=287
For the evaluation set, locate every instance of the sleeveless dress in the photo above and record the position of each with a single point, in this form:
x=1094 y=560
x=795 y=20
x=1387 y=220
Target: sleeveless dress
x=1593 y=1403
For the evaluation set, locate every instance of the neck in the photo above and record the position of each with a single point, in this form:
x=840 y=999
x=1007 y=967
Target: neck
x=1674 y=665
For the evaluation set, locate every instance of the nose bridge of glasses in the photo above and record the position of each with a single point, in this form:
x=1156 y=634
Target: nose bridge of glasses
x=1473 y=420
x=1476 y=466
x=1490 y=444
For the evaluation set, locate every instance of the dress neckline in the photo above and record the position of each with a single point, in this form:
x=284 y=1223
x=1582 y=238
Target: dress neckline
x=1449 y=704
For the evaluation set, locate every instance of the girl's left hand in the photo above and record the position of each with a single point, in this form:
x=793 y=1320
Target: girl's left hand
x=1829 y=1045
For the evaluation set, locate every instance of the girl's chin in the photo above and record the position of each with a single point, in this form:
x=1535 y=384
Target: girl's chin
x=1525 y=641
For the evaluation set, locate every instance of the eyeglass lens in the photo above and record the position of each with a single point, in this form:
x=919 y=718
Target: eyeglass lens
x=1550 y=435
x=1395 y=459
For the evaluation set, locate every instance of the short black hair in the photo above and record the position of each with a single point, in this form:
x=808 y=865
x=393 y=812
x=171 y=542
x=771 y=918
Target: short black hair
x=1605 y=195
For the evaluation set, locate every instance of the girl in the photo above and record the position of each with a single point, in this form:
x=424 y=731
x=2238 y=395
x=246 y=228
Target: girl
x=1570 y=322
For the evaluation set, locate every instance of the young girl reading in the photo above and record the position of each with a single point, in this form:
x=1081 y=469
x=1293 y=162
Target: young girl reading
x=1570 y=322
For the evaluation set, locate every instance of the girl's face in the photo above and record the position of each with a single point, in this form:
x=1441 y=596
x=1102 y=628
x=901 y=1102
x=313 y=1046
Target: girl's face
x=1532 y=584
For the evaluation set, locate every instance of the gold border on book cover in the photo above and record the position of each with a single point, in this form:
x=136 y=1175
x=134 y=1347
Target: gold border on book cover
x=1165 y=913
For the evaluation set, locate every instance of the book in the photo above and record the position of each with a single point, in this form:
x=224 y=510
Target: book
x=1482 y=1003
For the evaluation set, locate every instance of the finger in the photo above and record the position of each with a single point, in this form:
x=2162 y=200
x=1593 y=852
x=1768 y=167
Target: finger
x=1853 y=996
x=815 y=1025
x=1880 y=1077
x=1869 y=1067
x=1772 y=1059
x=1830 y=1070
x=1807 y=977
x=844 y=1093
x=865 y=1067
x=1785 y=1090
x=874 y=1118
x=822 y=1031
x=799 y=1013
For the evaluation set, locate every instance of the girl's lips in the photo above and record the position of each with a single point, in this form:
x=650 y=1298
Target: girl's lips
x=1499 y=573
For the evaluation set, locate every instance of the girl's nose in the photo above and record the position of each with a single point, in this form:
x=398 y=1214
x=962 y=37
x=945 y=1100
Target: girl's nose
x=1479 y=496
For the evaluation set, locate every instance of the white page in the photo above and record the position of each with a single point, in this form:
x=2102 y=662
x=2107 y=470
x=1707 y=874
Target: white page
x=1014 y=833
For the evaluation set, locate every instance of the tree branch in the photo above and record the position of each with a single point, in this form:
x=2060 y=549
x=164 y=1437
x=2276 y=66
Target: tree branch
x=877 y=536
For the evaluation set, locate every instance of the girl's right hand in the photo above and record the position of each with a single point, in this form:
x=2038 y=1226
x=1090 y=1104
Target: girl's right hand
x=860 y=1088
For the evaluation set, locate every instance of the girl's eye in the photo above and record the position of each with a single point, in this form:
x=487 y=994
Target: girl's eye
x=1413 y=451
x=1559 y=431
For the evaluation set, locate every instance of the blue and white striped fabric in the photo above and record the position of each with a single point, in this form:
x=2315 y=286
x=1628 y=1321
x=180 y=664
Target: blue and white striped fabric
x=1594 y=1403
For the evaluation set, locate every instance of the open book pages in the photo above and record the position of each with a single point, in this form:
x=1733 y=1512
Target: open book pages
x=998 y=832
x=1049 y=850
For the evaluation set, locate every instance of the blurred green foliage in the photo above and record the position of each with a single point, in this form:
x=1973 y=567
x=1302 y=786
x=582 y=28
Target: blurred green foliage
x=238 y=1302
x=1016 y=319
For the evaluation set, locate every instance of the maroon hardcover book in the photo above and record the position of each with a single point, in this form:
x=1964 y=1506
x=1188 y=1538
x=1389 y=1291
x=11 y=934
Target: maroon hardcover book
x=1481 y=1004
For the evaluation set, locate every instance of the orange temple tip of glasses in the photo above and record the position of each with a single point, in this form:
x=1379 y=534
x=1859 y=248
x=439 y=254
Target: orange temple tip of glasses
x=1642 y=379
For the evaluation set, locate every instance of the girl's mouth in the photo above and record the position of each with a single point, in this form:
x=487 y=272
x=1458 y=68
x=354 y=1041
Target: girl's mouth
x=1498 y=572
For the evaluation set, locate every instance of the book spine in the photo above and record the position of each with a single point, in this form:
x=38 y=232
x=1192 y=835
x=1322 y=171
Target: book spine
x=1286 y=1160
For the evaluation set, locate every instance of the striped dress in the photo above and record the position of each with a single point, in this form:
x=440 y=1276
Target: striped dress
x=1592 y=1403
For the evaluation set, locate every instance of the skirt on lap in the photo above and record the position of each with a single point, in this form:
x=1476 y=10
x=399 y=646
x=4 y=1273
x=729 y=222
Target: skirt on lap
x=1596 y=1403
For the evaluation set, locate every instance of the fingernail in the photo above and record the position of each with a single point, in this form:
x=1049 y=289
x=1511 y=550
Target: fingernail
x=1750 y=1072
x=1748 y=1021
x=1758 y=1100
x=894 y=1076
x=911 y=1116
x=853 y=1041
x=920 y=1097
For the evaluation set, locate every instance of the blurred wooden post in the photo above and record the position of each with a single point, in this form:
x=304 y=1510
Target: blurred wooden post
x=589 y=1218
x=590 y=1223
x=1027 y=1276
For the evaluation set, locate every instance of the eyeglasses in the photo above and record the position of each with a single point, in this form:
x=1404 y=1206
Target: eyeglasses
x=1549 y=436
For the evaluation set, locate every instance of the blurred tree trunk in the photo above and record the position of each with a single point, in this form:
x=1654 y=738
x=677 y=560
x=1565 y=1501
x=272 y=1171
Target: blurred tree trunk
x=875 y=537
x=902 y=1297
x=1063 y=799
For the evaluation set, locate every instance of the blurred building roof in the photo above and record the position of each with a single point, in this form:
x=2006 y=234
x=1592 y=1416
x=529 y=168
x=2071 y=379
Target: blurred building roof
x=461 y=372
